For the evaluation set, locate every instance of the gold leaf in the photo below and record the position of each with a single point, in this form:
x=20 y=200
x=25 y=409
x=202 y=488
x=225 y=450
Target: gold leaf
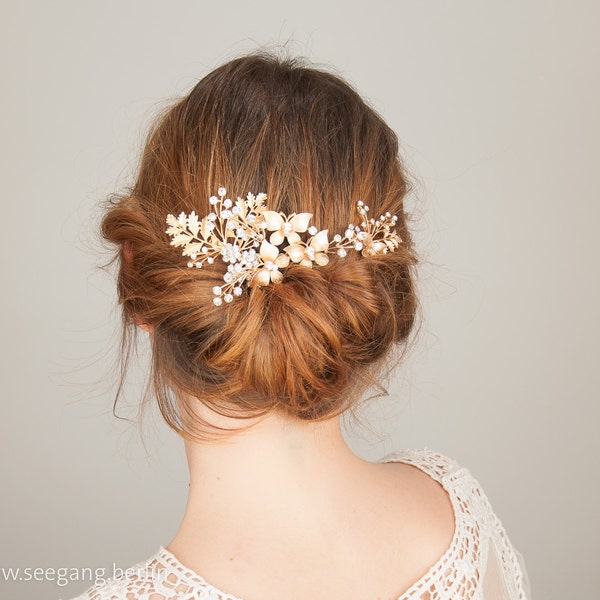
x=193 y=224
x=181 y=239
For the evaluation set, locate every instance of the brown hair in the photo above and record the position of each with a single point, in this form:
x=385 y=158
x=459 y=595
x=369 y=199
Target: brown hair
x=310 y=345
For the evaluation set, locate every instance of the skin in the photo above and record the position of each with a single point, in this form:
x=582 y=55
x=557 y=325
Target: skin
x=286 y=510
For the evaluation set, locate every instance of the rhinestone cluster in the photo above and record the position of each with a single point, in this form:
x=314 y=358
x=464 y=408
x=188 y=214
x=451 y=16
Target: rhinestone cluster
x=257 y=243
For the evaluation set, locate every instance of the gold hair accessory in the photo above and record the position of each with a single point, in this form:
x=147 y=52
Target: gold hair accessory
x=238 y=233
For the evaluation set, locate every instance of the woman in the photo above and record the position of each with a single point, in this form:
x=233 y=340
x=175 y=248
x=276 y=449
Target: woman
x=265 y=248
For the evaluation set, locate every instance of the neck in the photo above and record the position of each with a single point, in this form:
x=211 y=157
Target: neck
x=265 y=474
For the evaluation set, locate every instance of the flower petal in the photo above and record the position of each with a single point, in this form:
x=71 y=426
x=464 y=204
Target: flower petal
x=261 y=278
x=276 y=238
x=300 y=221
x=268 y=251
x=276 y=276
x=306 y=262
x=296 y=252
x=321 y=259
x=319 y=242
x=282 y=261
x=293 y=238
x=274 y=220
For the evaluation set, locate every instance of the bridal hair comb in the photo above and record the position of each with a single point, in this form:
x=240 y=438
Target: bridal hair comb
x=239 y=233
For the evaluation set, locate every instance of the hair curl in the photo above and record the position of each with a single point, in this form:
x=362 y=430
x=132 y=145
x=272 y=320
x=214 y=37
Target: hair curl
x=310 y=345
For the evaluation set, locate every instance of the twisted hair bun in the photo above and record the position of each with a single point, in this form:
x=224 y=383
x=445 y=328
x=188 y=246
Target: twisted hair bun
x=309 y=345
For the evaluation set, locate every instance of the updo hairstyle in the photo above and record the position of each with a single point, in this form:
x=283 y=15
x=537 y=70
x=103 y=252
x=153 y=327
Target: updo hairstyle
x=310 y=345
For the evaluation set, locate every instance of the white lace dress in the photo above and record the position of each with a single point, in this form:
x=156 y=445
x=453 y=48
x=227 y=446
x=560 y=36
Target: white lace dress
x=479 y=564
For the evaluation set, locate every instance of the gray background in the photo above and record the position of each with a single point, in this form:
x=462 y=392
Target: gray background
x=496 y=108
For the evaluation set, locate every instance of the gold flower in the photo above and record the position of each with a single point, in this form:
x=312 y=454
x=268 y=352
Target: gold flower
x=273 y=261
x=286 y=226
x=314 y=251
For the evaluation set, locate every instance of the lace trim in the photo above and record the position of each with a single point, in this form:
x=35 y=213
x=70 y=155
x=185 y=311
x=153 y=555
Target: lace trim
x=161 y=577
x=456 y=575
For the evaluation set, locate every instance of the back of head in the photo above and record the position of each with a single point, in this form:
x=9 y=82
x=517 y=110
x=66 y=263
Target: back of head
x=310 y=344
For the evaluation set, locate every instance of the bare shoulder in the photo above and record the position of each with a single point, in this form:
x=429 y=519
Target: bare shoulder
x=424 y=509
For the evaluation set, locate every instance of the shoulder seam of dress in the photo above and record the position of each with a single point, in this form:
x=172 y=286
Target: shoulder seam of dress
x=434 y=463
